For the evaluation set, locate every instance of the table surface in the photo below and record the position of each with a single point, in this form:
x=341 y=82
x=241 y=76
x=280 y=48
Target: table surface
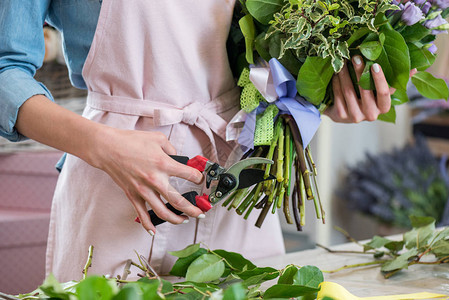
x=366 y=281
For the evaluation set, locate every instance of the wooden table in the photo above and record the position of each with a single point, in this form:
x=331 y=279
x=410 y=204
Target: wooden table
x=366 y=281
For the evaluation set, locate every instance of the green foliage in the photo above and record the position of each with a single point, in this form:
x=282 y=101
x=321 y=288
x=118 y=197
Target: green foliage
x=394 y=59
x=422 y=240
x=263 y=10
x=207 y=267
x=429 y=86
x=205 y=279
x=313 y=78
x=189 y=250
x=313 y=38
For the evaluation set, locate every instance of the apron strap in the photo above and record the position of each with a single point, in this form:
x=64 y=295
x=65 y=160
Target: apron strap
x=204 y=116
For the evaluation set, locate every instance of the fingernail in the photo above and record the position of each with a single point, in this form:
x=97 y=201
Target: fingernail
x=151 y=232
x=202 y=216
x=185 y=221
x=137 y=220
x=376 y=68
x=357 y=60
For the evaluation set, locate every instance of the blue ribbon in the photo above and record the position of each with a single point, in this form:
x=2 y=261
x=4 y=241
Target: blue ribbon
x=305 y=114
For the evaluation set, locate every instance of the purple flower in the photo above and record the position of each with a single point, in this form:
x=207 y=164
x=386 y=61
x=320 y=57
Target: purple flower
x=443 y=4
x=411 y=14
x=395 y=2
x=419 y=2
x=435 y=23
x=392 y=12
x=432 y=48
x=425 y=8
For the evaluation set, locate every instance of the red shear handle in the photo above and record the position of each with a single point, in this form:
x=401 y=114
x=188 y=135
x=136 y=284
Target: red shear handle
x=198 y=162
x=202 y=202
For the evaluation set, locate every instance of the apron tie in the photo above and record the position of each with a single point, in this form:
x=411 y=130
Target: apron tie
x=202 y=115
x=195 y=114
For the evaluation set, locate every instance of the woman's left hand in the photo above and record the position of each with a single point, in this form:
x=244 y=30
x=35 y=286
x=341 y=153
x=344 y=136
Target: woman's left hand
x=347 y=107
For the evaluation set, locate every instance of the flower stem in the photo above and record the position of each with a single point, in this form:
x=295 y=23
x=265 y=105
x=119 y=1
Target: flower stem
x=88 y=262
x=300 y=154
x=280 y=156
x=376 y=262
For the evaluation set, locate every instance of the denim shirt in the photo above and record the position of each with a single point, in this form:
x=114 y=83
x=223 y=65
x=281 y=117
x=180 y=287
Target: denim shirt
x=22 y=49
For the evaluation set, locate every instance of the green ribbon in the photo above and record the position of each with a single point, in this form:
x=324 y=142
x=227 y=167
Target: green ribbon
x=250 y=99
x=250 y=96
x=264 y=133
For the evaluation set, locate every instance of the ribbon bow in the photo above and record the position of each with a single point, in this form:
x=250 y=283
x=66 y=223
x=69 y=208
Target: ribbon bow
x=277 y=85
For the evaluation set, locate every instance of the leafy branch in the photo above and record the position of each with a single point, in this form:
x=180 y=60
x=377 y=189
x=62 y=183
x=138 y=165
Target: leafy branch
x=423 y=240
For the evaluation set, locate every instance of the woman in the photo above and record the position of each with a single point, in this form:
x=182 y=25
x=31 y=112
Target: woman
x=159 y=84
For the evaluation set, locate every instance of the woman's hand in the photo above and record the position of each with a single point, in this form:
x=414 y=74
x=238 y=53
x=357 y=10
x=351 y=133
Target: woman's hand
x=139 y=163
x=347 y=107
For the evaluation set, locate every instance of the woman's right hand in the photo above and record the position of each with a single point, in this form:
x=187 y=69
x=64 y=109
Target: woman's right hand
x=140 y=164
x=138 y=161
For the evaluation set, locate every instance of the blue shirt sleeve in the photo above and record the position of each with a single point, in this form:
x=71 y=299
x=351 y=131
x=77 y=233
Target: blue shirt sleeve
x=22 y=50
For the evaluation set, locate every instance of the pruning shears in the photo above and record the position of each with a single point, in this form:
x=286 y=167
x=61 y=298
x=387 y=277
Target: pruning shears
x=237 y=176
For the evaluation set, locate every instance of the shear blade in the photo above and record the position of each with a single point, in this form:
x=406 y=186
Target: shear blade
x=248 y=177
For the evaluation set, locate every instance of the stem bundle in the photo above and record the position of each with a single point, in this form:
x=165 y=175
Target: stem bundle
x=291 y=162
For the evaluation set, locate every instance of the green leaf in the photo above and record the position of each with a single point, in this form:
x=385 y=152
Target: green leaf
x=389 y=117
x=378 y=242
x=400 y=262
x=394 y=59
x=309 y=276
x=371 y=50
x=189 y=250
x=366 y=81
x=358 y=34
x=204 y=287
x=287 y=275
x=290 y=62
x=257 y=279
x=263 y=10
x=288 y=291
x=271 y=273
x=418 y=222
x=421 y=233
x=313 y=78
x=440 y=248
x=249 y=32
x=235 y=292
x=52 y=288
x=236 y=260
x=375 y=243
x=399 y=97
x=439 y=235
x=130 y=292
x=205 y=268
x=261 y=45
x=181 y=265
x=429 y=86
x=395 y=246
x=96 y=287
x=415 y=32
x=420 y=58
x=167 y=286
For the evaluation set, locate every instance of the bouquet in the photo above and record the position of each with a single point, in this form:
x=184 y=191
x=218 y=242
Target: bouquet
x=285 y=52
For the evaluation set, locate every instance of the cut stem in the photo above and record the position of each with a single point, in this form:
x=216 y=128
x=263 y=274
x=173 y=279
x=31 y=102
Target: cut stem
x=300 y=154
x=89 y=261
x=280 y=156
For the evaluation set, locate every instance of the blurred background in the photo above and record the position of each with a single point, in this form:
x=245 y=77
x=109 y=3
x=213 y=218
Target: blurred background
x=371 y=176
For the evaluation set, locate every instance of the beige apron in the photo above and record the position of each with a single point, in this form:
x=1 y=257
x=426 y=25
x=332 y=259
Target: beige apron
x=153 y=65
